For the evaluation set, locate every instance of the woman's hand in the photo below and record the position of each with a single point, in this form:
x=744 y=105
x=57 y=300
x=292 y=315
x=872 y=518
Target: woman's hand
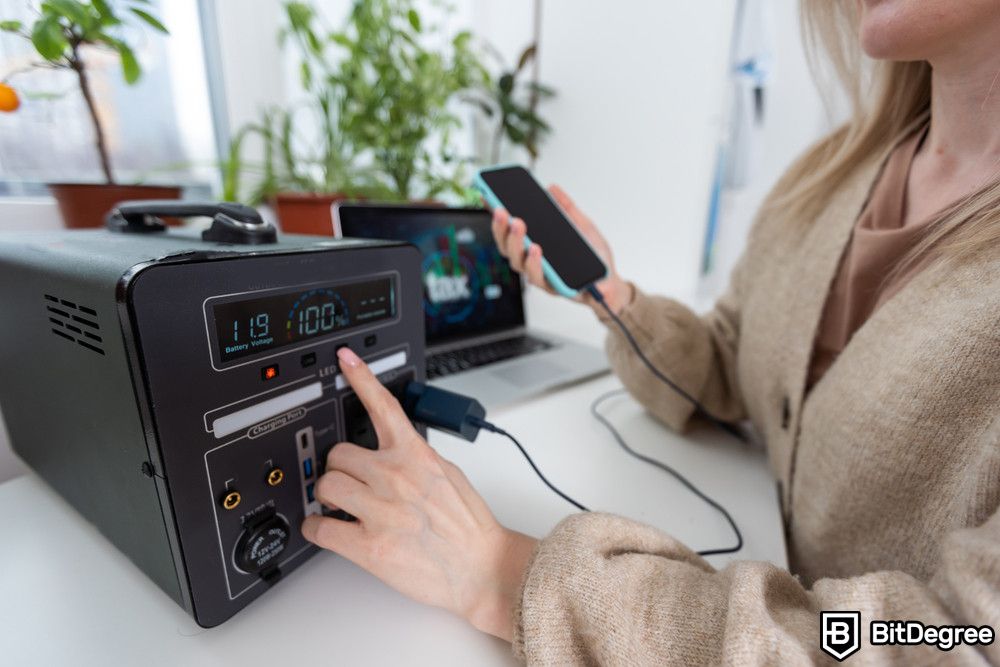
x=509 y=234
x=421 y=526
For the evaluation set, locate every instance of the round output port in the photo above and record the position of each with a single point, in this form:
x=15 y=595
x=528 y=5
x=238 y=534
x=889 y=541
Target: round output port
x=260 y=545
x=231 y=500
x=275 y=477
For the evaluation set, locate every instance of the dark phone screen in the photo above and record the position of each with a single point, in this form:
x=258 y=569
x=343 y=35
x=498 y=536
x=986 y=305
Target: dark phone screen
x=562 y=245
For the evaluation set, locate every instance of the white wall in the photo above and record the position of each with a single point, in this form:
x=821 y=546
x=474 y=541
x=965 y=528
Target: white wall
x=796 y=116
x=640 y=96
x=640 y=108
x=640 y=88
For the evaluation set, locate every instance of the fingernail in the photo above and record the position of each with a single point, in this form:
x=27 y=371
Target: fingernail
x=347 y=356
x=308 y=528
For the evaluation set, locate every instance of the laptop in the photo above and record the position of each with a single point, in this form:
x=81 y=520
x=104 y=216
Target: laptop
x=478 y=343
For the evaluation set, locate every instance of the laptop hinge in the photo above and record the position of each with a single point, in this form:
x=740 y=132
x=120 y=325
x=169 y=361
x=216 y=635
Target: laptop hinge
x=472 y=341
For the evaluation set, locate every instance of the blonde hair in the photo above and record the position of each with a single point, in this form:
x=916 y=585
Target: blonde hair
x=887 y=99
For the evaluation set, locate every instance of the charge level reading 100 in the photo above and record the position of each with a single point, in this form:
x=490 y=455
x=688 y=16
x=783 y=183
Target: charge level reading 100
x=314 y=319
x=256 y=325
x=317 y=312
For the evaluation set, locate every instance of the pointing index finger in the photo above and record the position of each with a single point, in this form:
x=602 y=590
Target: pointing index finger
x=386 y=414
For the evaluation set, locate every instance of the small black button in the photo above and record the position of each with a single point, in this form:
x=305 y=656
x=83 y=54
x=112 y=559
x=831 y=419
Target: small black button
x=308 y=359
x=786 y=412
x=336 y=358
x=370 y=340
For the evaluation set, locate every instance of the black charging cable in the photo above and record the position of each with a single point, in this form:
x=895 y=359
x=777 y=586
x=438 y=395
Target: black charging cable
x=699 y=408
x=465 y=417
x=493 y=428
x=594 y=410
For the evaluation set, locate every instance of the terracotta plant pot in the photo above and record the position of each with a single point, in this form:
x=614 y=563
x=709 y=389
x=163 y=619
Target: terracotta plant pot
x=306 y=212
x=84 y=205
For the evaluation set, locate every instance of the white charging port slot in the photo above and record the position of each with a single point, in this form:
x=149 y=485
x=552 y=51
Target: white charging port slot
x=379 y=366
x=258 y=412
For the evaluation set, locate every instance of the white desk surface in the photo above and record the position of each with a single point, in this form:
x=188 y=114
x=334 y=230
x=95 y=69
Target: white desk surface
x=67 y=596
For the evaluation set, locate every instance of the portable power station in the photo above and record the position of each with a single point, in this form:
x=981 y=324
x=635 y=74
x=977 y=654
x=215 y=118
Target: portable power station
x=182 y=392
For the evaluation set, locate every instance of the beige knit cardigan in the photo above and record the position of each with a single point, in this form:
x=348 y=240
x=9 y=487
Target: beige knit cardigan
x=889 y=469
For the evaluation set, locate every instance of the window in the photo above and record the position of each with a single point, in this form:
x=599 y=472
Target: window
x=160 y=130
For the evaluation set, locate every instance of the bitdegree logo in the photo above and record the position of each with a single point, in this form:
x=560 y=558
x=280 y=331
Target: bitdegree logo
x=945 y=637
x=840 y=633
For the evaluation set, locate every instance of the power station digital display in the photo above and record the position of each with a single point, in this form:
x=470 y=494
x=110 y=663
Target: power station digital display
x=266 y=323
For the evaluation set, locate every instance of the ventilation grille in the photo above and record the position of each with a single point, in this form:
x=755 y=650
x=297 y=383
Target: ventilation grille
x=75 y=323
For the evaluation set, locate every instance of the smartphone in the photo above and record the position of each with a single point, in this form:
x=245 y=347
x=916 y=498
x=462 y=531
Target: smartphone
x=569 y=262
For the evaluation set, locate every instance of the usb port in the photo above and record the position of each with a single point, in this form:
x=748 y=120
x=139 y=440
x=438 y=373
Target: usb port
x=307 y=468
x=310 y=492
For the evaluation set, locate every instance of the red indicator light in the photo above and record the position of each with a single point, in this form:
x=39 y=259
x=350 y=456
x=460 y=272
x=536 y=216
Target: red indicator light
x=269 y=372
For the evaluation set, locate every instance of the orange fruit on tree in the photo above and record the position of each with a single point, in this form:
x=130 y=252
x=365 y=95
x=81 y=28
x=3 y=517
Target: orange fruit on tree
x=9 y=101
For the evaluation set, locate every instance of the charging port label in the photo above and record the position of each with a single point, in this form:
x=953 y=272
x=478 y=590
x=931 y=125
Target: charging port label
x=275 y=423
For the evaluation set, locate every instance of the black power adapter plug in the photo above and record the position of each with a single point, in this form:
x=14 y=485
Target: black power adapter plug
x=443 y=410
x=463 y=417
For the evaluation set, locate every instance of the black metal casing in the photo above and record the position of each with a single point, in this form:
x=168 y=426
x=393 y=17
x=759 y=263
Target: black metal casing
x=112 y=391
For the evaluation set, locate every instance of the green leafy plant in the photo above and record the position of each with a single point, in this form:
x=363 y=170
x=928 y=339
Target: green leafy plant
x=323 y=161
x=64 y=27
x=289 y=163
x=380 y=99
x=398 y=94
x=514 y=105
x=513 y=101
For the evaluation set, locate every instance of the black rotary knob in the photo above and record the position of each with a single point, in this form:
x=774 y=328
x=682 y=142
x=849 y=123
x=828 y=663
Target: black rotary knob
x=261 y=543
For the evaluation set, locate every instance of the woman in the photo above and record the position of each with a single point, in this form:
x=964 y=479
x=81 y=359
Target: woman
x=860 y=335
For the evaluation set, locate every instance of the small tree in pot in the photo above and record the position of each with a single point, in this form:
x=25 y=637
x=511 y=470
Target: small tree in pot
x=380 y=101
x=63 y=29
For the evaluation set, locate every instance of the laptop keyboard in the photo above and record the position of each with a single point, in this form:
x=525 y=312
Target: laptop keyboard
x=446 y=363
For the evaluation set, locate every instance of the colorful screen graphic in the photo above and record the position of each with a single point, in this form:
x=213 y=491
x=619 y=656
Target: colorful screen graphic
x=468 y=287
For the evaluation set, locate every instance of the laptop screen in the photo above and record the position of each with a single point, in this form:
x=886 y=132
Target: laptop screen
x=469 y=288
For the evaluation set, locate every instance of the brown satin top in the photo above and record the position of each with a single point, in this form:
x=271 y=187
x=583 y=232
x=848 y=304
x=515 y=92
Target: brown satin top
x=878 y=243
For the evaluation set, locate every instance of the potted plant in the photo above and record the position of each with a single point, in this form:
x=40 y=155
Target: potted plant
x=398 y=95
x=62 y=32
x=380 y=102
x=300 y=175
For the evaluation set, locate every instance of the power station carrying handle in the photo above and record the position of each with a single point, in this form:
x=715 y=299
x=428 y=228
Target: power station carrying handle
x=231 y=223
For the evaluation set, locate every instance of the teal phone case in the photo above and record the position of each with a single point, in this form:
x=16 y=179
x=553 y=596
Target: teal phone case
x=493 y=201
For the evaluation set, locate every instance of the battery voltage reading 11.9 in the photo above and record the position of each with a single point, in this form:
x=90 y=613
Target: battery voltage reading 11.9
x=256 y=328
x=261 y=324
